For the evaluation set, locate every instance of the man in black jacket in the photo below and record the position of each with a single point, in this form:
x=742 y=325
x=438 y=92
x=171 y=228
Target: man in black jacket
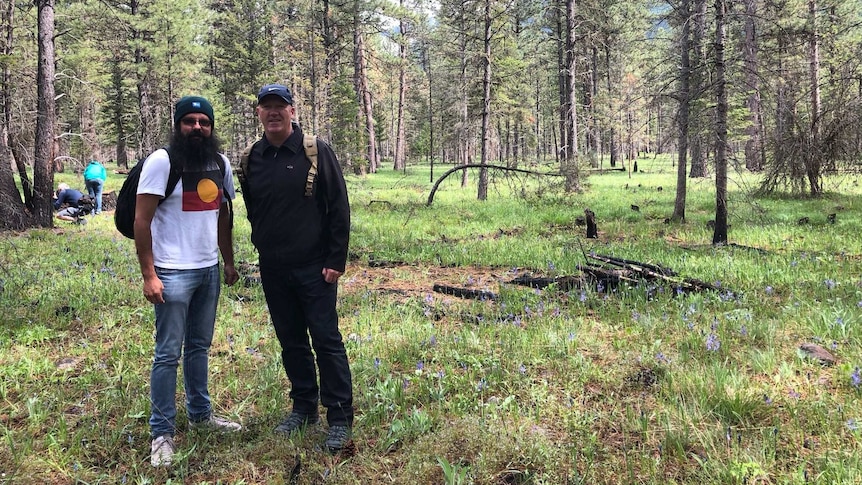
x=302 y=238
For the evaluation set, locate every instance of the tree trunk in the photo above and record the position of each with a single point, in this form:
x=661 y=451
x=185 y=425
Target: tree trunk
x=147 y=102
x=684 y=110
x=12 y=213
x=593 y=89
x=812 y=159
x=330 y=61
x=562 y=82
x=43 y=177
x=753 y=132
x=698 y=116
x=12 y=210
x=400 y=161
x=538 y=124
x=719 y=235
x=463 y=131
x=612 y=135
x=362 y=91
x=486 y=104
x=573 y=183
x=117 y=112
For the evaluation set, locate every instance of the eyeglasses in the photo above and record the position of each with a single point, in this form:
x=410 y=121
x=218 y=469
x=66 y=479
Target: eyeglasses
x=204 y=122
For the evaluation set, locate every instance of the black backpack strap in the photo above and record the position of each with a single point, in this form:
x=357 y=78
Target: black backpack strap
x=174 y=176
x=223 y=170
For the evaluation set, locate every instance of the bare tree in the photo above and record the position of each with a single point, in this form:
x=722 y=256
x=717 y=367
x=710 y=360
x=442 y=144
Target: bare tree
x=754 y=131
x=812 y=162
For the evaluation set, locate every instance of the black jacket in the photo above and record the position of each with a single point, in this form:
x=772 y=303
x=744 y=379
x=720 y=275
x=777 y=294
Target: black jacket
x=285 y=224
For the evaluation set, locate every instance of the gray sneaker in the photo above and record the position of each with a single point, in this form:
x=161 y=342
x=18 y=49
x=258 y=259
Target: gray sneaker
x=162 y=451
x=216 y=423
x=337 y=439
x=295 y=422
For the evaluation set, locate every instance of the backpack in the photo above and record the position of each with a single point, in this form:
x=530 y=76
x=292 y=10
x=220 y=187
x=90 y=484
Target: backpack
x=309 y=144
x=124 y=215
x=86 y=205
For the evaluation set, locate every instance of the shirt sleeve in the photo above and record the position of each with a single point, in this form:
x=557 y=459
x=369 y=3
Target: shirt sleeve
x=154 y=174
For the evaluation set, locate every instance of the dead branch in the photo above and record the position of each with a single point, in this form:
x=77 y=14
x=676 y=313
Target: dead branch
x=478 y=165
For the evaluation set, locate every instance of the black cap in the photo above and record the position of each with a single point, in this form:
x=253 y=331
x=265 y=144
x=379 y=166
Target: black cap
x=279 y=90
x=193 y=104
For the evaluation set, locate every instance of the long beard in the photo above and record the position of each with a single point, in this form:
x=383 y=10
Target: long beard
x=193 y=151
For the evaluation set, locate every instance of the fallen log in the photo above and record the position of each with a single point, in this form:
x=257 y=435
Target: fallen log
x=465 y=292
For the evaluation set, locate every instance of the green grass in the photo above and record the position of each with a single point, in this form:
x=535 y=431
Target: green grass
x=633 y=384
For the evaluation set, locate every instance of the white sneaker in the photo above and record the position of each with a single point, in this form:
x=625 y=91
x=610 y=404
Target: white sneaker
x=216 y=423
x=162 y=451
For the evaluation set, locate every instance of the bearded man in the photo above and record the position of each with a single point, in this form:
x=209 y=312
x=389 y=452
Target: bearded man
x=178 y=238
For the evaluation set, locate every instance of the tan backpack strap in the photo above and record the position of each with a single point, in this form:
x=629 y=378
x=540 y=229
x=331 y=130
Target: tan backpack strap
x=309 y=142
x=243 y=164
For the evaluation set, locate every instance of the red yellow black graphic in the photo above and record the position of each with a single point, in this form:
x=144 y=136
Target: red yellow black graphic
x=202 y=191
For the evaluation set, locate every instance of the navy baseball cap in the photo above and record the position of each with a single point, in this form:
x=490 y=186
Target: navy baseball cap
x=279 y=90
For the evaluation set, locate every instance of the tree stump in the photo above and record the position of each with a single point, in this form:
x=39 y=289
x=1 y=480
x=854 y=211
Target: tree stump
x=592 y=228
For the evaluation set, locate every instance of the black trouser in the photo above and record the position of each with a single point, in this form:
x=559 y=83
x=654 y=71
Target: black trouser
x=302 y=303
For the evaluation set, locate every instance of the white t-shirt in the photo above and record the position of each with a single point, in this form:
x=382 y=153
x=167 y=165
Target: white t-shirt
x=185 y=225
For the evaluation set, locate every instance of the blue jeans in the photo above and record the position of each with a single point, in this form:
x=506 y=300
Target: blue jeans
x=94 y=189
x=184 y=327
x=302 y=304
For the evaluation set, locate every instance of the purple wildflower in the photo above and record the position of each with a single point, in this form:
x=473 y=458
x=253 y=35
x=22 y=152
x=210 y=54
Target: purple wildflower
x=852 y=425
x=712 y=343
x=377 y=362
x=583 y=297
x=522 y=369
x=743 y=331
x=855 y=378
x=769 y=290
x=481 y=385
x=420 y=365
x=830 y=284
x=661 y=358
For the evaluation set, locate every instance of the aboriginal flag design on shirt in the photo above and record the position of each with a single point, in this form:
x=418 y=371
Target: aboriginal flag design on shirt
x=202 y=191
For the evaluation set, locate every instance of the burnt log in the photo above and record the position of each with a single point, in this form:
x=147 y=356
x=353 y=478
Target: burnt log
x=592 y=228
x=465 y=292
